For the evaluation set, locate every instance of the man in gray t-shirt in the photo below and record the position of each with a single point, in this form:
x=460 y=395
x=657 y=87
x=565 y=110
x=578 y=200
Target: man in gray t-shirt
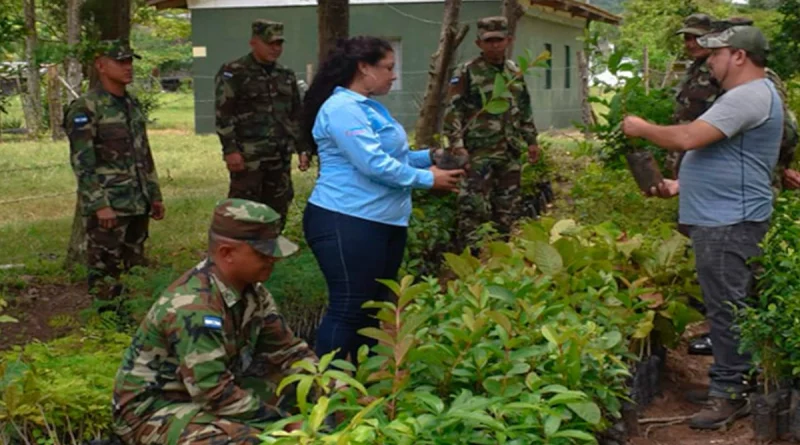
x=725 y=199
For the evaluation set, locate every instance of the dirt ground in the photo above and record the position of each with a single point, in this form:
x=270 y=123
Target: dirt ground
x=44 y=312
x=685 y=372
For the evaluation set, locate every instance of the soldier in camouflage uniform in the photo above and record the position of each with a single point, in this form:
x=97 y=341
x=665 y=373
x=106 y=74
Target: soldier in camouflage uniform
x=204 y=364
x=491 y=191
x=784 y=175
x=117 y=182
x=258 y=108
x=698 y=89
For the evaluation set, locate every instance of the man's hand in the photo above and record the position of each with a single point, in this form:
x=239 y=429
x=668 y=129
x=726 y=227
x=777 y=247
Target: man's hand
x=533 y=153
x=304 y=161
x=157 y=210
x=634 y=126
x=446 y=179
x=235 y=162
x=107 y=217
x=667 y=188
x=791 y=179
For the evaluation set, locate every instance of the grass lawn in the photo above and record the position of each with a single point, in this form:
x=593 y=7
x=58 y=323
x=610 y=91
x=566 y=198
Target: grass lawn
x=37 y=202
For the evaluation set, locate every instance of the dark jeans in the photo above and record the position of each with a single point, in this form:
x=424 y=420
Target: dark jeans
x=353 y=254
x=727 y=280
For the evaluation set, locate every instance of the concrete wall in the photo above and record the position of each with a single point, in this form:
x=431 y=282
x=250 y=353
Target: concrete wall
x=224 y=34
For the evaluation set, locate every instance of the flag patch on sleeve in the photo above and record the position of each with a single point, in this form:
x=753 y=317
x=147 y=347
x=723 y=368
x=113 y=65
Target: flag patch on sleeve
x=227 y=74
x=454 y=80
x=212 y=322
x=80 y=119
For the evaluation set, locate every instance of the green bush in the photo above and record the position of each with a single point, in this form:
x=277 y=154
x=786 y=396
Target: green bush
x=60 y=392
x=769 y=327
x=532 y=346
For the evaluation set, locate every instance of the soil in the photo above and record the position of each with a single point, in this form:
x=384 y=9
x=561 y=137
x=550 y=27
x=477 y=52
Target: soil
x=685 y=372
x=36 y=306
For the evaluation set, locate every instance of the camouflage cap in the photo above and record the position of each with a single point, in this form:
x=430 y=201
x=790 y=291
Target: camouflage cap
x=254 y=223
x=696 y=25
x=119 y=49
x=748 y=38
x=492 y=27
x=268 y=31
x=722 y=25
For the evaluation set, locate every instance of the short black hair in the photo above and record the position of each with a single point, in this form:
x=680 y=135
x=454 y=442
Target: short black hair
x=759 y=60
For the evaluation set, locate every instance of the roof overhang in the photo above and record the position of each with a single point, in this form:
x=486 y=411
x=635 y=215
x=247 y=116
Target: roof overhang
x=164 y=4
x=578 y=8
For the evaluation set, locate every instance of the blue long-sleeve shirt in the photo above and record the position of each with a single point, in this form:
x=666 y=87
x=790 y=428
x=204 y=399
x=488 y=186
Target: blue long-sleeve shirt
x=366 y=167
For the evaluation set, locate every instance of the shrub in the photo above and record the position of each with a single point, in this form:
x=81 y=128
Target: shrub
x=530 y=346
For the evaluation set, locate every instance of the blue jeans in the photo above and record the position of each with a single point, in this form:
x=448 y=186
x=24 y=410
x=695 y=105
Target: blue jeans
x=353 y=253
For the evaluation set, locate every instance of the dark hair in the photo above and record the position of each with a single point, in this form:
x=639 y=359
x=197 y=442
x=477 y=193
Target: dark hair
x=759 y=60
x=339 y=69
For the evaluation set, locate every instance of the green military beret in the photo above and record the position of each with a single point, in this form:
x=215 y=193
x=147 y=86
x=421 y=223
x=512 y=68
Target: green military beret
x=268 y=31
x=254 y=223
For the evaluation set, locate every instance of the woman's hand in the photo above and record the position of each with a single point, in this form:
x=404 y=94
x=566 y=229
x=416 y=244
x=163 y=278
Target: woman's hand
x=446 y=179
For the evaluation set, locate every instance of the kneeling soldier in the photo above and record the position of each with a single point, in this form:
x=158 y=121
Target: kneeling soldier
x=204 y=363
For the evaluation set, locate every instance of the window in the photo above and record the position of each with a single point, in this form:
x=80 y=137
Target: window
x=397 y=47
x=548 y=74
x=567 y=67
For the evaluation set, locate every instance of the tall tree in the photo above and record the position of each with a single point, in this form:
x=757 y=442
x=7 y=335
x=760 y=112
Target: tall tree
x=333 y=22
x=432 y=109
x=512 y=11
x=31 y=97
x=111 y=20
x=786 y=44
x=74 y=71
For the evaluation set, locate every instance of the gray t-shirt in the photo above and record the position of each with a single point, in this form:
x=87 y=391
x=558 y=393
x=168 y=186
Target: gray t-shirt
x=729 y=181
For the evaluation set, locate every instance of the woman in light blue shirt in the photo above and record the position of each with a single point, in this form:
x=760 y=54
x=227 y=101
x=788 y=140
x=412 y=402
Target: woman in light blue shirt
x=357 y=216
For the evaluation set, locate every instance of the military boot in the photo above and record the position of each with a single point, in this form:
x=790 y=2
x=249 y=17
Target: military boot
x=720 y=413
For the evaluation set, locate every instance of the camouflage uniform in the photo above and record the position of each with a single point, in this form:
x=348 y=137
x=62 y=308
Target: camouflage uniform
x=491 y=191
x=698 y=89
x=113 y=164
x=257 y=111
x=203 y=365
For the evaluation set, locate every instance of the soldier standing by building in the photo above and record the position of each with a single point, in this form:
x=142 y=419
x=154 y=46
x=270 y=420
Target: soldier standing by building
x=698 y=89
x=204 y=364
x=494 y=142
x=257 y=113
x=117 y=182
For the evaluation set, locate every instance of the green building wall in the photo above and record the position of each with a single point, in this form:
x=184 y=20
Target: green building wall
x=225 y=32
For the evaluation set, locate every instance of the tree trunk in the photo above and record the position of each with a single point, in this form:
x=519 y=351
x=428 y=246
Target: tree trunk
x=333 y=22
x=586 y=106
x=74 y=69
x=512 y=11
x=112 y=18
x=54 y=103
x=31 y=97
x=433 y=104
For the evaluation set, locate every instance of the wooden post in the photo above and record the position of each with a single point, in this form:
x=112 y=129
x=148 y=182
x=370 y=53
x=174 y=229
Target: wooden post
x=309 y=73
x=333 y=22
x=432 y=108
x=54 y=103
x=586 y=106
x=646 y=60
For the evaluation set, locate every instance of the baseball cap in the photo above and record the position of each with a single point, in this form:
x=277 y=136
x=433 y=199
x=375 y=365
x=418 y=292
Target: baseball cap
x=748 y=38
x=492 y=27
x=268 y=31
x=254 y=223
x=696 y=24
